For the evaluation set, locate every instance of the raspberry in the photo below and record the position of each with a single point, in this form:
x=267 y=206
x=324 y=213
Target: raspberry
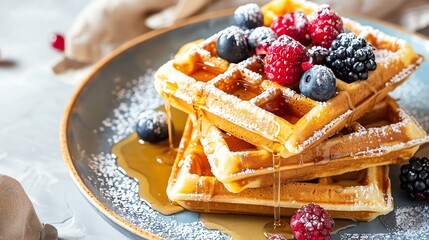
x=282 y=64
x=311 y=222
x=293 y=24
x=57 y=42
x=415 y=178
x=325 y=25
x=350 y=57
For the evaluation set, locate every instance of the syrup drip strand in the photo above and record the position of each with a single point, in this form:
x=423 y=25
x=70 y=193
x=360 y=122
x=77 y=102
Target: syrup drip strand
x=168 y=156
x=276 y=189
x=278 y=226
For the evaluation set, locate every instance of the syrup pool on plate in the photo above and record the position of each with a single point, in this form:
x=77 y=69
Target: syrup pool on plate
x=141 y=161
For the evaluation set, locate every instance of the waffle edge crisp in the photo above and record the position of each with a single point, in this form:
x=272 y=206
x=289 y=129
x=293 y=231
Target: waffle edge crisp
x=361 y=195
x=385 y=135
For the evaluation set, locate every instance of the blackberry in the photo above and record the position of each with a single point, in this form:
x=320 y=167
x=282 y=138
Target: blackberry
x=414 y=178
x=350 y=57
x=318 y=55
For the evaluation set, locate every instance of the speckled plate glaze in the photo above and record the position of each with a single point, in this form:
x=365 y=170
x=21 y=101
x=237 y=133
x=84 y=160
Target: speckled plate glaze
x=104 y=108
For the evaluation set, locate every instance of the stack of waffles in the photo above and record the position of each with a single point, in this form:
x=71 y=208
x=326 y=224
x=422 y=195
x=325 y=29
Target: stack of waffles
x=334 y=153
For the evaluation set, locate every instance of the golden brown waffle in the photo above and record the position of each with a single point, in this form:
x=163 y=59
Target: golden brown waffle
x=238 y=99
x=385 y=135
x=361 y=195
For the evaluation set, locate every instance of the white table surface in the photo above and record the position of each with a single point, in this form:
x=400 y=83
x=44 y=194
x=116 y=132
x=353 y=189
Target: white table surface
x=32 y=101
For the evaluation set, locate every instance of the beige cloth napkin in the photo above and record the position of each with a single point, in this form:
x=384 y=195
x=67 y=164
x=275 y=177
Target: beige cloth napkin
x=18 y=219
x=105 y=24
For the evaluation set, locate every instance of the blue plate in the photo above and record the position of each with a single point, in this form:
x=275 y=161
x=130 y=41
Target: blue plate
x=105 y=106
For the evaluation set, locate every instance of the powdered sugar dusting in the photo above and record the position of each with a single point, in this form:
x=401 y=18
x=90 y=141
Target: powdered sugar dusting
x=250 y=12
x=318 y=134
x=234 y=32
x=113 y=185
x=412 y=223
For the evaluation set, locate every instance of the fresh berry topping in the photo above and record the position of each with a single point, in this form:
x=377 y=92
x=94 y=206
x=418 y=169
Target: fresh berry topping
x=232 y=45
x=248 y=16
x=415 y=178
x=325 y=25
x=318 y=83
x=282 y=64
x=57 y=41
x=306 y=65
x=277 y=237
x=318 y=55
x=295 y=25
x=311 y=222
x=261 y=37
x=351 y=57
x=152 y=126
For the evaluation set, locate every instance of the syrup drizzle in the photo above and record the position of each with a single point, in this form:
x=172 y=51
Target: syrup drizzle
x=349 y=100
x=168 y=156
x=138 y=160
x=278 y=226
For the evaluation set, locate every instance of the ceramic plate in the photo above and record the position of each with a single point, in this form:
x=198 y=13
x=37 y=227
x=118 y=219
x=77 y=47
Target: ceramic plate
x=104 y=109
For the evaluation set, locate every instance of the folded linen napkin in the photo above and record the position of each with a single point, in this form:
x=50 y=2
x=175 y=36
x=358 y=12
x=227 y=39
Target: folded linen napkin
x=18 y=219
x=105 y=24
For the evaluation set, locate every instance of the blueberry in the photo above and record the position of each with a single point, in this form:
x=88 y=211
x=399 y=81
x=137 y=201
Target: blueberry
x=152 y=126
x=232 y=45
x=261 y=35
x=248 y=16
x=318 y=83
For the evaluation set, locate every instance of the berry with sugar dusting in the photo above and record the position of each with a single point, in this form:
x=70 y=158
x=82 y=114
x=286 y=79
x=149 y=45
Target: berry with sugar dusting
x=232 y=45
x=414 y=178
x=248 y=16
x=295 y=25
x=312 y=222
x=260 y=39
x=325 y=25
x=318 y=55
x=152 y=126
x=282 y=64
x=351 y=57
x=277 y=237
x=318 y=83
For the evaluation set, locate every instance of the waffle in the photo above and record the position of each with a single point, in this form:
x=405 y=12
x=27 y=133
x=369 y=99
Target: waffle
x=385 y=135
x=238 y=99
x=361 y=195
